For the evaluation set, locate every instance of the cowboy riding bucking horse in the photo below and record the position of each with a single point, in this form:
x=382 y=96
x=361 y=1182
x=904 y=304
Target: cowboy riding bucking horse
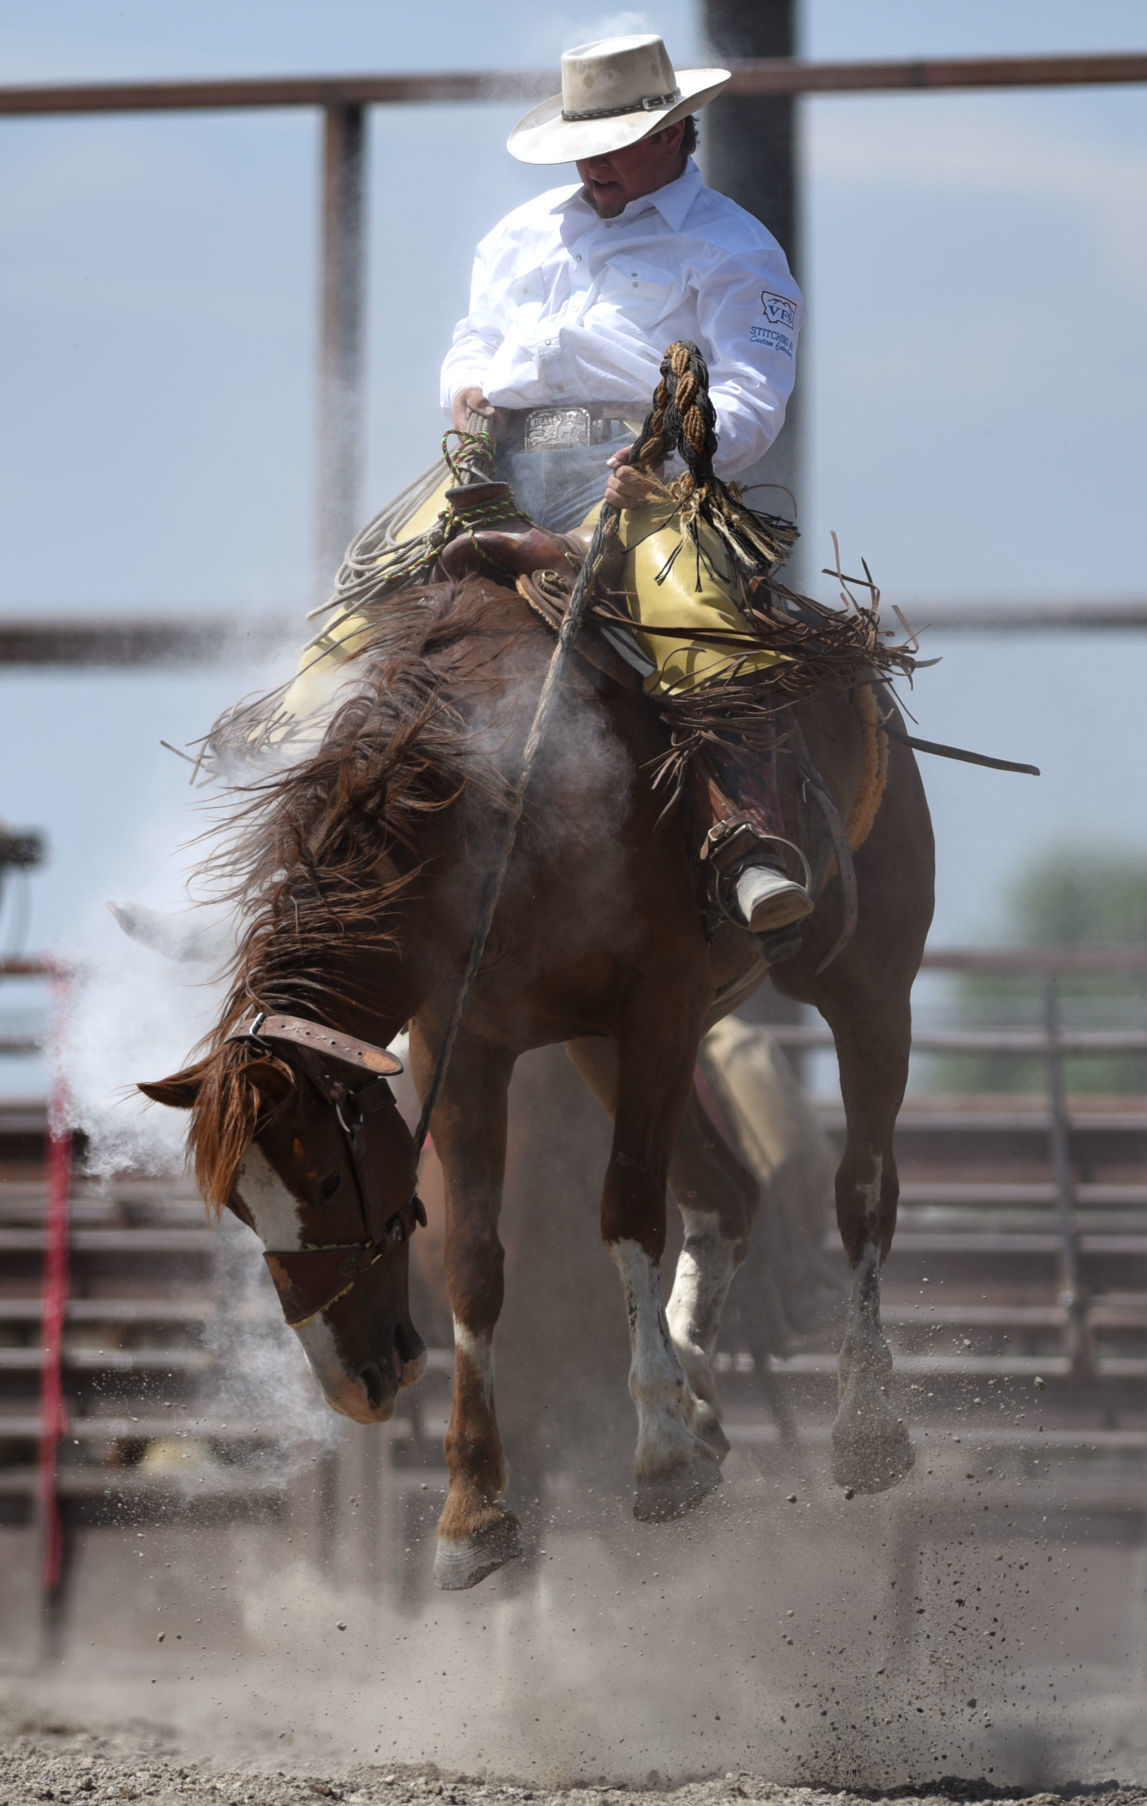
x=573 y=300
x=731 y=791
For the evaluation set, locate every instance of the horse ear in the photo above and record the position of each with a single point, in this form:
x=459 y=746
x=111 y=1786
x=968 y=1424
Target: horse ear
x=179 y=1091
x=270 y=1078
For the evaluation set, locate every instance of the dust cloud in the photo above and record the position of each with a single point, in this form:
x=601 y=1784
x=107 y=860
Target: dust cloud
x=763 y=1635
x=968 y=1624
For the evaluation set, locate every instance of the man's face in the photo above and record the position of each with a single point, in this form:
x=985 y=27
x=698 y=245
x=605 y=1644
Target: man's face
x=612 y=182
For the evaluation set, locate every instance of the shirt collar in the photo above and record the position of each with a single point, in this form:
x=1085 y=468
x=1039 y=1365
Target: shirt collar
x=672 y=202
x=675 y=199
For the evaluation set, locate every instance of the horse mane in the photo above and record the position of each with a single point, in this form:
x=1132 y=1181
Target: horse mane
x=313 y=854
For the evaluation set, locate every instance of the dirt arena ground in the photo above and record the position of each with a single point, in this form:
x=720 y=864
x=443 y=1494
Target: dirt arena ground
x=57 y=1763
x=777 y=1647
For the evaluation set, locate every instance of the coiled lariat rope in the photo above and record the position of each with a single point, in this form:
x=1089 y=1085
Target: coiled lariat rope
x=375 y=565
x=375 y=568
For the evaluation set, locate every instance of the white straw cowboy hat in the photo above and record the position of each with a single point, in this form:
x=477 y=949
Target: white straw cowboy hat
x=614 y=93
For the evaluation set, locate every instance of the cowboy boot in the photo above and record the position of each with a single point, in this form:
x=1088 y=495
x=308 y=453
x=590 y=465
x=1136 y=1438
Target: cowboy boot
x=747 y=845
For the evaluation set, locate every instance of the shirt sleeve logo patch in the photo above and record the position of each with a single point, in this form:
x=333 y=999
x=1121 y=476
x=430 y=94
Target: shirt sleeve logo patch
x=773 y=338
x=779 y=310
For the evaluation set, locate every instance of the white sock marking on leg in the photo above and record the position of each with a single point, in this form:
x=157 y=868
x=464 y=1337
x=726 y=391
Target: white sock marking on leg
x=705 y=1269
x=656 y=1381
x=479 y=1351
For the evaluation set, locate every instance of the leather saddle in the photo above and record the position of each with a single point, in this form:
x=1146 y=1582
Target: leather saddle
x=543 y=567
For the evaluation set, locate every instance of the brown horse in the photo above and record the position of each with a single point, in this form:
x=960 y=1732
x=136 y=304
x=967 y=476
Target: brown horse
x=360 y=872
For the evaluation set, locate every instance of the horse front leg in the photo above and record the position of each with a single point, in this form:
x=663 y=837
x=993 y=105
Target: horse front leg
x=718 y=1198
x=870 y=1446
x=673 y=1465
x=476 y=1532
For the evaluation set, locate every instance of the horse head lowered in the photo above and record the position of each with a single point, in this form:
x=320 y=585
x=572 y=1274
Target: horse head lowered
x=295 y=1129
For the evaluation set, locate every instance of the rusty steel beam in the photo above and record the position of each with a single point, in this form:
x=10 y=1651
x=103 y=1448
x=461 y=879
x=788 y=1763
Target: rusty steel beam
x=82 y=640
x=777 y=76
x=1019 y=617
x=1016 y=1043
x=219 y=638
x=262 y=91
x=758 y=76
x=1035 y=959
x=341 y=311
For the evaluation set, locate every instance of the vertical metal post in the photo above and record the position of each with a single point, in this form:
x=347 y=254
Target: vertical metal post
x=55 y=1287
x=748 y=143
x=749 y=140
x=341 y=401
x=1072 y=1298
x=748 y=147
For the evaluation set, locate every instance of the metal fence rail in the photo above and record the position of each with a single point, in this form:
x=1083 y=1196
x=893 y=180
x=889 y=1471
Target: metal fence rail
x=211 y=636
x=343 y=102
x=757 y=76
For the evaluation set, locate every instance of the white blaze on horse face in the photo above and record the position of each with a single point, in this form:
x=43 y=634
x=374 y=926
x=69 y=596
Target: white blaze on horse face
x=705 y=1269
x=275 y=1212
x=273 y=1208
x=657 y=1384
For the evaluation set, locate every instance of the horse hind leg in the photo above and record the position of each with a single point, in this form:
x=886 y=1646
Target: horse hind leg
x=871 y=1450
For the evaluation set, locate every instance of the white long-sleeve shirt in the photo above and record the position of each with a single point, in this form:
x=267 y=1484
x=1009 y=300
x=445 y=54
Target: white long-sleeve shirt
x=567 y=307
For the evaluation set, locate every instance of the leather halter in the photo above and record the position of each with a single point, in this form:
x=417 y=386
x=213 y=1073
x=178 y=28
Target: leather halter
x=309 y=1280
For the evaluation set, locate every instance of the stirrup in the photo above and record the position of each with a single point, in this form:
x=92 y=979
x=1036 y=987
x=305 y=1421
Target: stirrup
x=765 y=899
x=753 y=891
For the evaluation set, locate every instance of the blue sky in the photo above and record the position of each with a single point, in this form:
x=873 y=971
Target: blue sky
x=972 y=377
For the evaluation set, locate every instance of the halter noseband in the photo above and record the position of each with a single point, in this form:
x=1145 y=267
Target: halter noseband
x=328 y=1271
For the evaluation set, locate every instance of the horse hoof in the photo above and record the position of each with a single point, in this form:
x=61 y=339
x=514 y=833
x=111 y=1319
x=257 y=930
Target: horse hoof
x=656 y=1501
x=872 y=1463
x=706 y=1426
x=461 y=1562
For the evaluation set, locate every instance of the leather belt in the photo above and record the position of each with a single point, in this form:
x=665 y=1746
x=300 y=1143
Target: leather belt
x=556 y=428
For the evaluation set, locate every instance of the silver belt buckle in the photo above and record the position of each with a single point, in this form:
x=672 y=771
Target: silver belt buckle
x=548 y=429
